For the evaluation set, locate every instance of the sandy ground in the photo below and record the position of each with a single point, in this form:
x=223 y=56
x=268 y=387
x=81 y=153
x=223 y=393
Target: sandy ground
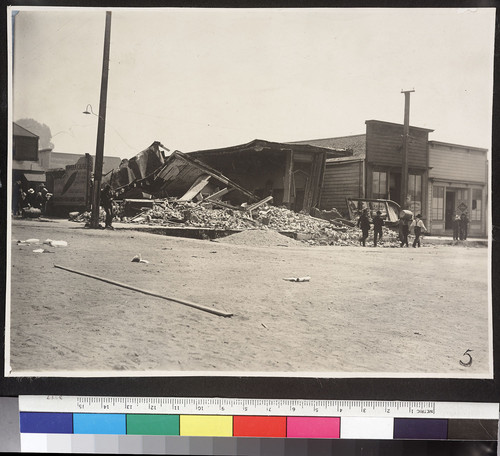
x=364 y=310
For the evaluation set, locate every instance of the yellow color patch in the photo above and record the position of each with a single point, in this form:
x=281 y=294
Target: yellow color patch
x=206 y=425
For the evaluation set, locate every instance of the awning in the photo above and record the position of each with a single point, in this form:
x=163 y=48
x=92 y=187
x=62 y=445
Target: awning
x=34 y=177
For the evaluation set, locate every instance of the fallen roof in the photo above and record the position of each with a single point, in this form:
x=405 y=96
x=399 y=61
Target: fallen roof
x=177 y=175
x=258 y=145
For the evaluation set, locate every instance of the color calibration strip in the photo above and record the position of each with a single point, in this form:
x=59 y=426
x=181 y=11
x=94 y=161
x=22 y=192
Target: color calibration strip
x=257 y=426
x=44 y=430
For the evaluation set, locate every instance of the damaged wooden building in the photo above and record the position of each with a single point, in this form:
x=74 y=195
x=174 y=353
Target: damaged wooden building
x=291 y=173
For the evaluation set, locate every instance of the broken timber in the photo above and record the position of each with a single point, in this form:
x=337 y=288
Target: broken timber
x=150 y=293
x=217 y=195
x=259 y=203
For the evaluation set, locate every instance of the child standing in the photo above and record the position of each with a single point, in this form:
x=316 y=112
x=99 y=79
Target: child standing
x=419 y=228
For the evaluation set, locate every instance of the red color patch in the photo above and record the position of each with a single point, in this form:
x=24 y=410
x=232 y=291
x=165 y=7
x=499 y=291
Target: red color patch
x=259 y=426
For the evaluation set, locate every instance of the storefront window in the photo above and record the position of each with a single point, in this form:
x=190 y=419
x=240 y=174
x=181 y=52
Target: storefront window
x=379 y=185
x=462 y=194
x=477 y=197
x=415 y=192
x=437 y=203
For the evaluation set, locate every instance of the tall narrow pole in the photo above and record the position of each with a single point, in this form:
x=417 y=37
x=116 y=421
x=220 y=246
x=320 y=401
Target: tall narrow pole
x=99 y=153
x=404 y=167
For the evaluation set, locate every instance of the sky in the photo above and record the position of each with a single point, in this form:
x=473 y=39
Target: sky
x=196 y=79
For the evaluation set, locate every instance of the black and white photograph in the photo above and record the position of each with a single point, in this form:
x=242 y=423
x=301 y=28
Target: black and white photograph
x=273 y=192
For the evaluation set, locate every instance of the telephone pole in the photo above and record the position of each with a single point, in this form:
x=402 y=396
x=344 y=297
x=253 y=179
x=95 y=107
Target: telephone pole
x=404 y=167
x=99 y=153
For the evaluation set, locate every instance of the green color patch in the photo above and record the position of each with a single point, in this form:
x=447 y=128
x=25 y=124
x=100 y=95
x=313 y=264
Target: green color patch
x=153 y=424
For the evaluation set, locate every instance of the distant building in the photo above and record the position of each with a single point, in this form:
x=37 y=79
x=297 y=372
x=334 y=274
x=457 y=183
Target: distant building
x=49 y=159
x=25 y=165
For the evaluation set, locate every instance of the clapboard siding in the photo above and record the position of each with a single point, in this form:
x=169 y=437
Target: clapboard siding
x=341 y=180
x=384 y=145
x=456 y=163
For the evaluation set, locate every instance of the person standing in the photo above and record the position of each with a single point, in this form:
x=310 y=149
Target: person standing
x=107 y=204
x=456 y=227
x=17 y=197
x=30 y=198
x=378 y=223
x=419 y=228
x=464 y=225
x=404 y=229
x=364 y=224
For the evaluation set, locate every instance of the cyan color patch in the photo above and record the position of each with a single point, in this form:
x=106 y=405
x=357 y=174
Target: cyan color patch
x=97 y=423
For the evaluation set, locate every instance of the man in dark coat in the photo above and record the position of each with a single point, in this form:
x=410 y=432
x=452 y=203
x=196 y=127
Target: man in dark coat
x=378 y=223
x=107 y=204
x=464 y=225
x=364 y=224
x=17 y=198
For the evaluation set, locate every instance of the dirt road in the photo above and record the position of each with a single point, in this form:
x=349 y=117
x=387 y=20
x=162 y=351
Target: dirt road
x=364 y=310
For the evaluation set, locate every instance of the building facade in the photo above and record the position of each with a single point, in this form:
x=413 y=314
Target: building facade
x=444 y=179
x=458 y=184
x=375 y=167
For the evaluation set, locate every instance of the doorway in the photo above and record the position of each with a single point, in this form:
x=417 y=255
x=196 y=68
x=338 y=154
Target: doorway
x=450 y=210
x=395 y=187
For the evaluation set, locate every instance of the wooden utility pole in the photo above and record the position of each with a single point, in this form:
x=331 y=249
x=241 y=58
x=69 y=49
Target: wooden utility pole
x=404 y=167
x=99 y=153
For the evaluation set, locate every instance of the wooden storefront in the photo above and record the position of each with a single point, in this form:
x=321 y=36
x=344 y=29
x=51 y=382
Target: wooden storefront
x=458 y=184
x=384 y=154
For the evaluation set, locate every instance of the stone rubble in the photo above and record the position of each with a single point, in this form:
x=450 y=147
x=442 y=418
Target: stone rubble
x=308 y=229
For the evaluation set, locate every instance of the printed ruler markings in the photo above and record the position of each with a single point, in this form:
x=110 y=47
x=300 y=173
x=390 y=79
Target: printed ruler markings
x=277 y=407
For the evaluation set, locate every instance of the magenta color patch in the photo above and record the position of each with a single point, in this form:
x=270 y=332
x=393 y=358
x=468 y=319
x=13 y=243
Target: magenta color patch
x=313 y=427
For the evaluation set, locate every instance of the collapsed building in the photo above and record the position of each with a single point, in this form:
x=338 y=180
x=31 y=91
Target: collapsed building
x=256 y=186
x=289 y=175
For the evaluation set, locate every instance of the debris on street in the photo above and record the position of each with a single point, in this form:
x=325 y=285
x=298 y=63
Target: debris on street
x=138 y=259
x=55 y=243
x=297 y=279
x=29 y=241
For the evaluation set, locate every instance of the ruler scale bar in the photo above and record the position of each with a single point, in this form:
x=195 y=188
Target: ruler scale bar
x=263 y=407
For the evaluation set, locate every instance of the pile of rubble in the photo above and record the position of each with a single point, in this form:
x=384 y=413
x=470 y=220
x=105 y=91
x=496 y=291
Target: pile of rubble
x=308 y=229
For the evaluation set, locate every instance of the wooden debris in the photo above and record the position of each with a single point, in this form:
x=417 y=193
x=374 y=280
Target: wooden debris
x=259 y=203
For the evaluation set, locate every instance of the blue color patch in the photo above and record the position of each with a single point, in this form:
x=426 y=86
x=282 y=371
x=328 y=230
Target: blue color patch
x=97 y=423
x=46 y=423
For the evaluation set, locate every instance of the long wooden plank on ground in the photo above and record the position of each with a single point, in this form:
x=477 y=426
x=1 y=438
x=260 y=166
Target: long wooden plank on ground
x=150 y=293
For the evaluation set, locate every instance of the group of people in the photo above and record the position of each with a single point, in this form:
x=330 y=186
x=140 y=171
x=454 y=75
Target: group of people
x=460 y=227
x=407 y=224
x=30 y=198
x=364 y=223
